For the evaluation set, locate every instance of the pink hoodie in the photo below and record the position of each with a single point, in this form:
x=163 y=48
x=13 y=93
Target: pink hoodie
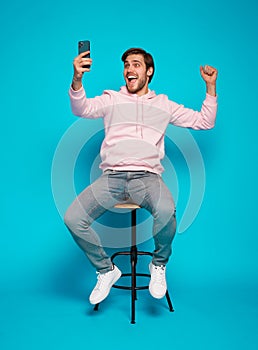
x=135 y=125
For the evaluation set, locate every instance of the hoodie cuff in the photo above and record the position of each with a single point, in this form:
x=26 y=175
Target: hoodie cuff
x=76 y=93
x=211 y=99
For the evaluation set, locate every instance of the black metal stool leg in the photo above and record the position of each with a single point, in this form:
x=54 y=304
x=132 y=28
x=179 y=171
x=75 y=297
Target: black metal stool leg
x=96 y=307
x=171 y=309
x=133 y=293
x=133 y=263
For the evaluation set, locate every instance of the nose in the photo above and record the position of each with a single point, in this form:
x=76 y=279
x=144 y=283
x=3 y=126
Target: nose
x=129 y=68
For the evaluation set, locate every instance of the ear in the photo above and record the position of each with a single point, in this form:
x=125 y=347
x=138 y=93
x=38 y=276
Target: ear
x=150 y=71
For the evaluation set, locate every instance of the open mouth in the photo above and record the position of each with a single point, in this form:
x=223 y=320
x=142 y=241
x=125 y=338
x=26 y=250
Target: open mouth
x=132 y=78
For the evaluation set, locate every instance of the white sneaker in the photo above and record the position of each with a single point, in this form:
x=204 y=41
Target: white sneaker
x=104 y=284
x=158 y=284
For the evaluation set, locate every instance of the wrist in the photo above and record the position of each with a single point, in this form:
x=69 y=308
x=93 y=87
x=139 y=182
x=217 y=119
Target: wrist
x=76 y=83
x=211 y=89
x=77 y=77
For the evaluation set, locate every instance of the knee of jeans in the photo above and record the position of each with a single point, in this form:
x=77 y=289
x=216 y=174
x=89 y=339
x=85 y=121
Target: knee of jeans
x=69 y=219
x=166 y=218
x=167 y=212
x=76 y=220
x=73 y=221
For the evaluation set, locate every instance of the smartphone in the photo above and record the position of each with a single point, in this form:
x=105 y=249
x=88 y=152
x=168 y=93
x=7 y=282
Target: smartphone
x=83 y=46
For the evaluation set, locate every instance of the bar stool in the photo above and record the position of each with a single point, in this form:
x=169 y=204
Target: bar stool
x=133 y=253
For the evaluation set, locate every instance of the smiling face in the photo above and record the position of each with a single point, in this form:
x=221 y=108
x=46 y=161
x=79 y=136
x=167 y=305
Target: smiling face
x=136 y=75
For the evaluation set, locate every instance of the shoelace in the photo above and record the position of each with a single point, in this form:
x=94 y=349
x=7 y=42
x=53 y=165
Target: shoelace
x=159 y=275
x=101 y=280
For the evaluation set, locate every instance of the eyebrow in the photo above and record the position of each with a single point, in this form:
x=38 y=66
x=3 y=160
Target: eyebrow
x=133 y=61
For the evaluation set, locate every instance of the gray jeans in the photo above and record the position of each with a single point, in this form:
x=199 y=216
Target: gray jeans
x=140 y=187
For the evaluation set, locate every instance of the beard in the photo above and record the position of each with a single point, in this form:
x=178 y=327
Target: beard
x=136 y=87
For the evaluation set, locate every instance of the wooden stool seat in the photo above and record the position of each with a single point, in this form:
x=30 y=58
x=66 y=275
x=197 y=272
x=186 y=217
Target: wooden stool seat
x=127 y=206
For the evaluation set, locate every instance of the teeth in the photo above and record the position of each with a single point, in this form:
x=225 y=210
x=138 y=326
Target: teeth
x=131 y=77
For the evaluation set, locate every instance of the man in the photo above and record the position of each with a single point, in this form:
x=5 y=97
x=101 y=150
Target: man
x=135 y=121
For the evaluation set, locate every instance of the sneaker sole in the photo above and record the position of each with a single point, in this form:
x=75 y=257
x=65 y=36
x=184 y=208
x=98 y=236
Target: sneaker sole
x=156 y=296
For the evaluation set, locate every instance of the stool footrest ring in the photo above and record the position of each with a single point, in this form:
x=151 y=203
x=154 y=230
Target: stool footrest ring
x=130 y=287
x=128 y=252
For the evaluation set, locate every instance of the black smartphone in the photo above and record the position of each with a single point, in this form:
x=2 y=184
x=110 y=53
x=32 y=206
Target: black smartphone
x=83 y=46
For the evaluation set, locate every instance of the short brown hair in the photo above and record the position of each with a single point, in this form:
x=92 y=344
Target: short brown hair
x=148 y=59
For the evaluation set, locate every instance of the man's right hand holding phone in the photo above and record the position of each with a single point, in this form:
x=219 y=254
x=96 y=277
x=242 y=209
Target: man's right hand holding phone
x=79 y=68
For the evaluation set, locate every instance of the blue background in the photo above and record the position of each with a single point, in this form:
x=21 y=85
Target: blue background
x=213 y=275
